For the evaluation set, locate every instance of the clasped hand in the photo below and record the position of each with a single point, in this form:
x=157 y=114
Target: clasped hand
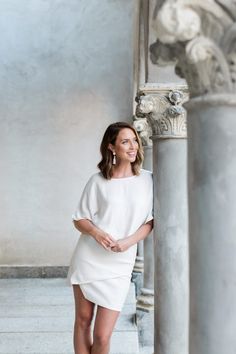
x=121 y=245
x=110 y=244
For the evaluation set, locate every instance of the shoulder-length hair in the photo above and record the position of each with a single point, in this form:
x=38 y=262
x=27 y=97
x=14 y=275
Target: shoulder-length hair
x=110 y=135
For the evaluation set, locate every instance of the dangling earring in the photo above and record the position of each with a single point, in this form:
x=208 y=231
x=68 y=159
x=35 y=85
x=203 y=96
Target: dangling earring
x=114 y=158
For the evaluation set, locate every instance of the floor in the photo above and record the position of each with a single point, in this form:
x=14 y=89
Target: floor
x=36 y=317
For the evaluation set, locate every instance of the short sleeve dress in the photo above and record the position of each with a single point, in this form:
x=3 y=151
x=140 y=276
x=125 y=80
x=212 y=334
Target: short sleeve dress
x=118 y=206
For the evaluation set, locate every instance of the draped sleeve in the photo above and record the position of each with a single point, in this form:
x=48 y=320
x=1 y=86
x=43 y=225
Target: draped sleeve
x=150 y=207
x=88 y=203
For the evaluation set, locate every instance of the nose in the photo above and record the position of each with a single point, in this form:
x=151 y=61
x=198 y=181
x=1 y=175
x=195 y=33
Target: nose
x=132 y=145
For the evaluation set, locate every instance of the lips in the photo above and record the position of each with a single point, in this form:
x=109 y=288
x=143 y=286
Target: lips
x=131 y=154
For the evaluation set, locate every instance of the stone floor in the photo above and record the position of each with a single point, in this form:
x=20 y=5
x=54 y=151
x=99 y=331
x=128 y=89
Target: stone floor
x=36 y=317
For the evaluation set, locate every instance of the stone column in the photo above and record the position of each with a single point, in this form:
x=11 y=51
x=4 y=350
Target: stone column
x=138 y=266
x=140 y=73
x=202 y=38
x=137 y=275
x=145 y=300
x=144 y=132
x=164 y=111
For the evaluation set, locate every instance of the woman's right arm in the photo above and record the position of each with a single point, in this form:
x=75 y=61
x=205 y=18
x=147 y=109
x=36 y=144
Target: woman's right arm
x=87 y=227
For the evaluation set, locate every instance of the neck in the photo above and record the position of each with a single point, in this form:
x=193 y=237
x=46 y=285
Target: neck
x=122 y=170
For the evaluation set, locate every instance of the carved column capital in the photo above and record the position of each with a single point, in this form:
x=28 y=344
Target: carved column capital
x=164 y=112
x=200 y=35
x=144 y=130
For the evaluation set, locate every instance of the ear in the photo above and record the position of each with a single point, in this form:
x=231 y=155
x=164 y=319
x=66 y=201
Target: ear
x=111 y=147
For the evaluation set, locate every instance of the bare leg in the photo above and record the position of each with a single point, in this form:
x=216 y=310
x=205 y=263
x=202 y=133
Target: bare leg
x=83 y=318
x=104 y=324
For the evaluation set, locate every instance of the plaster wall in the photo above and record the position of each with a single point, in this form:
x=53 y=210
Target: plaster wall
x=65 y=74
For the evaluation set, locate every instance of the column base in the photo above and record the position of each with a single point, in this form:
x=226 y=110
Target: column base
x=139 y=264
x=145 y=301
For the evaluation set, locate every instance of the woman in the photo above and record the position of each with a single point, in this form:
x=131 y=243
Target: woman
x=114 y=213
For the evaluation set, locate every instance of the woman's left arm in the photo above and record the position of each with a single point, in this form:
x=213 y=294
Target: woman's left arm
x=142 y=232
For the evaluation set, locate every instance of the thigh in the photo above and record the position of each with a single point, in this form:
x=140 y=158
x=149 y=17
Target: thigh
x=83 y=307
x=105 y=321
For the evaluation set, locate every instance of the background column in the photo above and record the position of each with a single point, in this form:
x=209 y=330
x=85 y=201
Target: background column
x=202 y=39
x=145 y=300
x=168 y=121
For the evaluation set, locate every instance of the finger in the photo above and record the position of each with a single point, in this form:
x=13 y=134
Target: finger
x=105 y=241
x=104 y=245
x=111 y=240
x=109 y=244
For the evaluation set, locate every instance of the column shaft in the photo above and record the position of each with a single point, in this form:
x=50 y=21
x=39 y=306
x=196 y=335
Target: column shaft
x=146 y=298
x=171 y=246
x=212 y=195
x=148 y=276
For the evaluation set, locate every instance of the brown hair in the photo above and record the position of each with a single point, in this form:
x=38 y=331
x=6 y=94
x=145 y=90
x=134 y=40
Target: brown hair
x=109 y=137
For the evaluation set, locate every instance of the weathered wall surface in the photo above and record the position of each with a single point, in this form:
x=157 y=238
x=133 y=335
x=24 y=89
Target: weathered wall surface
x=65 y=74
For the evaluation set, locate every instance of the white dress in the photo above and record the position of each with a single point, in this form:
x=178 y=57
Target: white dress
x=118 y=206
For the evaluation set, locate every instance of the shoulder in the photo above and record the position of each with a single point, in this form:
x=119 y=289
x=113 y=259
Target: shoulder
x=146 y=178
x=95 y=178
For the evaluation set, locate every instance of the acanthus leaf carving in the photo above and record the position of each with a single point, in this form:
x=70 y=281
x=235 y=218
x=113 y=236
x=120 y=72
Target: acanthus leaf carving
x=210 y=65
x=206 y=54
x=144 y=130
x=176 y=23
x=164 y=113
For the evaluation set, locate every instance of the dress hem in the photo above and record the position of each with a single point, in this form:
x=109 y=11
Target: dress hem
x=78 y=282
x=96 y=303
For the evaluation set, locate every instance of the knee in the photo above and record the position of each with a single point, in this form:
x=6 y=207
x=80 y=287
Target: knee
x=102 y=339
x=83 y=321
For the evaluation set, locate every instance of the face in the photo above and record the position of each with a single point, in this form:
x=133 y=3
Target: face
x=126 y=146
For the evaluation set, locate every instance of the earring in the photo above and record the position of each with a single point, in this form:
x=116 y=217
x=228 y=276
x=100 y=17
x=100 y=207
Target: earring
x=114 y=158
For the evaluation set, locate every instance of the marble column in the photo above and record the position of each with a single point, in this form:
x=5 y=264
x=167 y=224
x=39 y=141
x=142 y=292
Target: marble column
x=138 y=266
x=145 y=300
x=164 y=111
x=137 y=275
x=140 y=75
x=202 y=39
x=144 y=132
